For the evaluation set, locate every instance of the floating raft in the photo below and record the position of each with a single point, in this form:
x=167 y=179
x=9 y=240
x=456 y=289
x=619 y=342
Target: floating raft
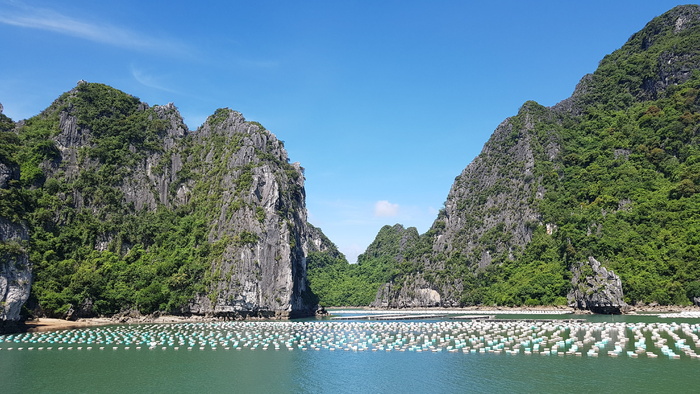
x=539 y=320
x=473 y=317
x=391 y=316
x=457 y=311
x=512 y=338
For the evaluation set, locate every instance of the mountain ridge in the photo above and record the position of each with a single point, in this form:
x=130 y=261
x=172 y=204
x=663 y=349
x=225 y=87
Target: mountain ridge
x=127 y=209
x=510 y=232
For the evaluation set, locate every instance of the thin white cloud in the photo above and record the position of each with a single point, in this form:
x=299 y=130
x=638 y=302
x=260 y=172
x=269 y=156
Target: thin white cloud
x=384 y=208
x=149 y=80
x=104 y=33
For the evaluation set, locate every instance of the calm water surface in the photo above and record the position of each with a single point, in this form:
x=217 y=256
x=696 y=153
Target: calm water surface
x=218 y=369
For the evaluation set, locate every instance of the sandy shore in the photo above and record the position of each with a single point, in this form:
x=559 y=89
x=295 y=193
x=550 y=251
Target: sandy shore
x=48 y=324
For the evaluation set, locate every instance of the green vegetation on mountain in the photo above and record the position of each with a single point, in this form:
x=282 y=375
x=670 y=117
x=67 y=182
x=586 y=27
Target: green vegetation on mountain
x=623 y=189
x=12 y=206
x=71 y=212
x=127 y=210
x=613 y=172
x=628 y=193
x=339 y=283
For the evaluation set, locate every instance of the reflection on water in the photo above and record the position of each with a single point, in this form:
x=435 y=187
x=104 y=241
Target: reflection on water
x=619 y=353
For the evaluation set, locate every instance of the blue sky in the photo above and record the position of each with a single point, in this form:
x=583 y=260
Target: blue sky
x=383 y=102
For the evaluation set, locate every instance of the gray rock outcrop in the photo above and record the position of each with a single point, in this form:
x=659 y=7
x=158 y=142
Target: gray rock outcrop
x=15 y=271
x=596 y=289
x=416 y=293
x=8 y=172
x=490 y=210
x=491 y=207
x=264 y=217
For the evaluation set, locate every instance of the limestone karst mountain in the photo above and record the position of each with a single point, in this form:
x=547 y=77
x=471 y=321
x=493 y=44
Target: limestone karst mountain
x=122 y=208
x=609 y=173
x=15 y=273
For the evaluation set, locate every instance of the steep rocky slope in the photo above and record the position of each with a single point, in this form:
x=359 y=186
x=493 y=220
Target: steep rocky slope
x=129 y=210
x=15 y=270
x=604 y=173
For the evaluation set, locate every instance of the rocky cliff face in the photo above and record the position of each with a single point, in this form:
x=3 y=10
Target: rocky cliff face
x=211 y=221
x=8 y=172
x=596 y=289
x=261 y=213
x=416 y=292
x=491 y=208
x=15 y=270
x=490 y=212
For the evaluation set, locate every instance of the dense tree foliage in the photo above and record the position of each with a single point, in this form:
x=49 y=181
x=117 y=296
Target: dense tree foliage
x=338 y=283
x=627 y=193
x=624 y=189
x=624 y=186
x=91 y=253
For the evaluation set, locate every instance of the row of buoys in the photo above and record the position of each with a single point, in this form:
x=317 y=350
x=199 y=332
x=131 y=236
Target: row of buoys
x=455 y=312
x=513 y=337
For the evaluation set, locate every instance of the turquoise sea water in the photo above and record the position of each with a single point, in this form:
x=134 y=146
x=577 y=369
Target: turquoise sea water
x=371 y=357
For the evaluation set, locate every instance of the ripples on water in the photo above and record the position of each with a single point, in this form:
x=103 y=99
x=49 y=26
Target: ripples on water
x=326 y=356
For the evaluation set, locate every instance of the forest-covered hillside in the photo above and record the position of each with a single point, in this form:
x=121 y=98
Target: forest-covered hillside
x=612 y=173
x=125 y=209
